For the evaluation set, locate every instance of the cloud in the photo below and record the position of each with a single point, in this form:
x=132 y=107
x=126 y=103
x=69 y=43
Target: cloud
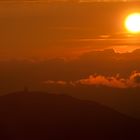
x=113 y=81
x=55 y=82
x=100 y=80
x=103 y=81
x=135 y=78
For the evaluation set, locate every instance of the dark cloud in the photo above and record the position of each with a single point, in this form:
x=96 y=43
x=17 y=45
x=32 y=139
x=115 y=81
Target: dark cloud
x=91 y=68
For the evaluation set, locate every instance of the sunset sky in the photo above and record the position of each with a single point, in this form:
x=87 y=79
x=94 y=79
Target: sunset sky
x=69 y=69
x=63 y=29
x=65 y=42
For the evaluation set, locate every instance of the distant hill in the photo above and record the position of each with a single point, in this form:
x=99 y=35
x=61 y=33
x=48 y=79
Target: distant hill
x=42 y=116
x=126 y=101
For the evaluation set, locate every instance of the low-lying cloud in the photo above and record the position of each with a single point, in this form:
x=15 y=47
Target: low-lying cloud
x=55 y=82
x=100 y=80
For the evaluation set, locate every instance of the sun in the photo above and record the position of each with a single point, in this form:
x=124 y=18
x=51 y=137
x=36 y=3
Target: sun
x=132 y=23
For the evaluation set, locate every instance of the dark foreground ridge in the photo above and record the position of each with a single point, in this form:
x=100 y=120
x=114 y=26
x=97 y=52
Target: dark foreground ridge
x=42 y=116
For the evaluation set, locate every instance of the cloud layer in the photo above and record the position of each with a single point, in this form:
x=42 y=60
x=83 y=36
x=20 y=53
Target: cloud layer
x=100 y=80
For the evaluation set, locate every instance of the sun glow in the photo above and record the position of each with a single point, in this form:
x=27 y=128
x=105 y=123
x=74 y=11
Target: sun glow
x=132 y=23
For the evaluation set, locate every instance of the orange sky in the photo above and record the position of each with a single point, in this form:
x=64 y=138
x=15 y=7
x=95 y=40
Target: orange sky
x=64 y=29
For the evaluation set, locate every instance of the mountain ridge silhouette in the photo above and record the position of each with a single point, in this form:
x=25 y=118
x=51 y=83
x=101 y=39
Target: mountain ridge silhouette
x=41 y=116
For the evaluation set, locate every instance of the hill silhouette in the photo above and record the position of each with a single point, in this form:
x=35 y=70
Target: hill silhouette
x=125 y=101
x=43 y=116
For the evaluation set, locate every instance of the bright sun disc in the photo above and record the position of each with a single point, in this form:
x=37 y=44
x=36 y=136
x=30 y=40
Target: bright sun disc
x=132 y=23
